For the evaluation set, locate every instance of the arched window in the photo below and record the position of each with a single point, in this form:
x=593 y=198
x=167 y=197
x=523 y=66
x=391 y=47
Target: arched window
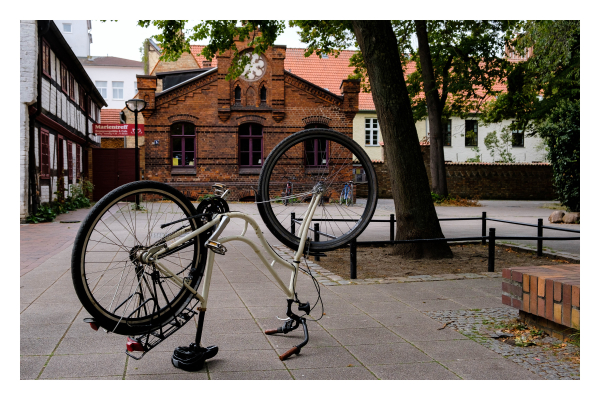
x=251 y=145
x=183 y=145
x=238 y=95
x=316 y=151
x=263 y=96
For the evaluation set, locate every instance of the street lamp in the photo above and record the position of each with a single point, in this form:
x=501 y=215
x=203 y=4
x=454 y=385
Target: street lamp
x=135 y=106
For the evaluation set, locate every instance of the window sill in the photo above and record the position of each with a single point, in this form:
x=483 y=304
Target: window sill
x=250 y=170
x=183 y=171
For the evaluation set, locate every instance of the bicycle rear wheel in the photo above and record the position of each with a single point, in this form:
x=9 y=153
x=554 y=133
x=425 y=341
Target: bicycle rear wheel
x=317 y=158
x=123 y=294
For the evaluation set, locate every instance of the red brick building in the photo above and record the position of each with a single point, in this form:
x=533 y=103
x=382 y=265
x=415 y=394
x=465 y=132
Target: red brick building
x=204 y=129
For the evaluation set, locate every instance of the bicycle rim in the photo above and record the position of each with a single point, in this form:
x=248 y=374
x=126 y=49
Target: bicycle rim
x=124 y=294
x=317 y=158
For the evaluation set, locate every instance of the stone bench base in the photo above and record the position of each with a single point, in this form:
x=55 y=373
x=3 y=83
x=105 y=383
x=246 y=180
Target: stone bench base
x=547 y=296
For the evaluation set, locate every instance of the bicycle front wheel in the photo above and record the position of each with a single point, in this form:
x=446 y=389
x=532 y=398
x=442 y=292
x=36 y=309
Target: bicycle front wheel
x=123 y=294
x=320 y=160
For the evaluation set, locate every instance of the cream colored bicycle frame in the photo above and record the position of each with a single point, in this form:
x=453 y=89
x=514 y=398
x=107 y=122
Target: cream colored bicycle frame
x=289 y=290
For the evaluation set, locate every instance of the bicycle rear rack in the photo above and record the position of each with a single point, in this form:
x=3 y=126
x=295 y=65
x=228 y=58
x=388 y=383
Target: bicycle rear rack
x=148 y=341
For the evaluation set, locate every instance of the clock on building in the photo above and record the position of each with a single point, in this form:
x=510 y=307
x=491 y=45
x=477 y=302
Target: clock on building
x=256 y=69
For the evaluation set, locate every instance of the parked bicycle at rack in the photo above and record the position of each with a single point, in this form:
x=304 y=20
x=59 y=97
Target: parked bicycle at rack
x=142 y=252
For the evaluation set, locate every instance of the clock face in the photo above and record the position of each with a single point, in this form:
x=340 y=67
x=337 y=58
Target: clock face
x=256 y=69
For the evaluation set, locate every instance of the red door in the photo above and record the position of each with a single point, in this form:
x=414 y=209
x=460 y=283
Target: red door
x=111 y=168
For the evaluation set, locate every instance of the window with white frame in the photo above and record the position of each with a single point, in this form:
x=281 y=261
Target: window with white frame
x=371 y=132
x=102 y=88
x=117 y=88
x=67 y=28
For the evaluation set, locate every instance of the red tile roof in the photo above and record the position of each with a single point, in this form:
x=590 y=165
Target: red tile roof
x=327 y=73
x=110 y=116
x=196 y=50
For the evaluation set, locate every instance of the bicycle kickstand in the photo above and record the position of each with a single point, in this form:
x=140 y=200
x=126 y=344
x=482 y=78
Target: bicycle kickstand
x=290 y=325
x=192 y=357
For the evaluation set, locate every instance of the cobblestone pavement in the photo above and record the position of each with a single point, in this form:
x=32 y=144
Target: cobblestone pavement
x=542 y=360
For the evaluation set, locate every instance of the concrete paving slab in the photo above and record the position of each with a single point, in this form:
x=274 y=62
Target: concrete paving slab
x=38 y=346
x=241 y=341
x=250 y=360
x=434 y=304
x=31 y=366
x=480 y=302
x=382 y=307
x=337 y=321
x=355 y=373
x=493 y=369
x=413 y=371
x=231 y=326
x=90 y=366
x=324 y=357
x=278 y=374
x=387 y=353
x=105 y=344
x=55 y=331
x=200 y=376
x=425 y=330
x=446 y=350
x=364 y=336
x=226 y=313
x=43 y=314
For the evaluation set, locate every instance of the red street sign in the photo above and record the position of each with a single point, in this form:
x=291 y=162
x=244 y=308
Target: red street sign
x=117 y=130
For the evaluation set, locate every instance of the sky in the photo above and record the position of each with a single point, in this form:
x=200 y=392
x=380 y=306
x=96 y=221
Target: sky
x=123 y=38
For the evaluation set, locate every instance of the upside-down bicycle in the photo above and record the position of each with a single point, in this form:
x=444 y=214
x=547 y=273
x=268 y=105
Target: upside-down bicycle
x=144 y=249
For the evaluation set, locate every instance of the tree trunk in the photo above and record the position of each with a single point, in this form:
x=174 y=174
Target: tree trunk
x=416 y=215
x=434 y=110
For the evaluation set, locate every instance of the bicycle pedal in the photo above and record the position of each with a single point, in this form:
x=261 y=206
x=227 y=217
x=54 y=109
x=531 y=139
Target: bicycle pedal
x=216 y=247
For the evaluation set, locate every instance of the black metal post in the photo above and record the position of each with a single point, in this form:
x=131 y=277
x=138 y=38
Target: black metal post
x=137 y=155
x=353 y=259
x=199 y=329
x=137 y=159
x=392 y=227
x=317 y=258
x=483 y=226
x=293 y=226
x=540 y=233
x=492 y=250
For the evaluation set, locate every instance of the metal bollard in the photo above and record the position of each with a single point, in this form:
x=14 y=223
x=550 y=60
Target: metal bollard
x=353 y=259
x=392 y=227
x=540 y=233
x=492 y=250
x=293 y=226
x=483 y=226
x=317 y=258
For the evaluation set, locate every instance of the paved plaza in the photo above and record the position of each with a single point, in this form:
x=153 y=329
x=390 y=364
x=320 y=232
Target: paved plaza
x=368 y=332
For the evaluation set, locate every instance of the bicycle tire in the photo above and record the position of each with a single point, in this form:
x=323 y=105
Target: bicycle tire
x=287 y=156
x=103 y=250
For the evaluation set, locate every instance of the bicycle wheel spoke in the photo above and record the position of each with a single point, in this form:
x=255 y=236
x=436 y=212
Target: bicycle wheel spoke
x=126 y=293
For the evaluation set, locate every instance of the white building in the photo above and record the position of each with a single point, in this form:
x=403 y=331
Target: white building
x=114 y=77
x=77 y=34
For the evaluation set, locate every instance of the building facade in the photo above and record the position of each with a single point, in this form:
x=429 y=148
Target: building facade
x=59 y=103
x=77 y=34
x=114 y=77
x=206 y=129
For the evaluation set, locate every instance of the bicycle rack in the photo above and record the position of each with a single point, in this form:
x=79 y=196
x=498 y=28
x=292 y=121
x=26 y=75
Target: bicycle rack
x=148 y=341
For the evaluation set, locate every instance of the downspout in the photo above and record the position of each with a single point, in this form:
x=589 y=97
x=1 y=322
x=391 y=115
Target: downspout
x=42 y=27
